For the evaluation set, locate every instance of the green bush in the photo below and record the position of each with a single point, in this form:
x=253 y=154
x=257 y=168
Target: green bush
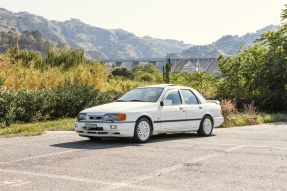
x=28 y=57
x=147 y=77
x=23 y=106
x=67 y=58
x=123 y=72
x=154 y=73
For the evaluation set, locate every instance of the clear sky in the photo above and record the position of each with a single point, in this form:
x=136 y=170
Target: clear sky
x=193 y=21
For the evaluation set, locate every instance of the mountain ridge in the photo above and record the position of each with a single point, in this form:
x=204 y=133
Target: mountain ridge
x=226 y=45
x=99 y=43
x=104 y=43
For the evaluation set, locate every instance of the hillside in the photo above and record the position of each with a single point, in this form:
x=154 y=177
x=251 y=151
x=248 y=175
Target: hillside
x=97 y=42
x=226 y=45
x=118 y=43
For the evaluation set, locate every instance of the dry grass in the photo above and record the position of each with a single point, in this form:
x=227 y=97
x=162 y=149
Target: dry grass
x=18 y=77
x=250 y=108
x=33 y=129
x=243 y=119
x=227 y=107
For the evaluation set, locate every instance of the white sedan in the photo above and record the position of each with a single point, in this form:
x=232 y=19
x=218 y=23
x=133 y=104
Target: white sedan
x=151 y=110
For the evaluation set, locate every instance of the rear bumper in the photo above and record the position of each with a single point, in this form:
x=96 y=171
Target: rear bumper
x=105 y=129
x=218 y=121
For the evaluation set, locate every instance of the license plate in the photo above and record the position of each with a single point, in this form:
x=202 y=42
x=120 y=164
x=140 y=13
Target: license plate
x=90 y=126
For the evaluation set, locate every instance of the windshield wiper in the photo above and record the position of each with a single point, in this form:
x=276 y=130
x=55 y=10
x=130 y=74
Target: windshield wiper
x=138 y=100
x=120 y=100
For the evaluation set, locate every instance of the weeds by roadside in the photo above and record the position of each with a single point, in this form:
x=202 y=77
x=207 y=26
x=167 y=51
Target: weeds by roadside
x=243 y=119
x=250 y=109
x=248 y=116
x=227 y=107
x=32 y=129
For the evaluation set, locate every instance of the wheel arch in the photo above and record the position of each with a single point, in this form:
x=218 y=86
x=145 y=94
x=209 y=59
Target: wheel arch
x=149 y=119
x=212 y=120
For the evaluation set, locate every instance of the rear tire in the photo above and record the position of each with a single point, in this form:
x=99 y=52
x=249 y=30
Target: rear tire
x=206 y=126
x=142 y=131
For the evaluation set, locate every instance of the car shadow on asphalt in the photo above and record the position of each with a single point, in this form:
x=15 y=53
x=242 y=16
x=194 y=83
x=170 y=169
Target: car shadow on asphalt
x=106 y=143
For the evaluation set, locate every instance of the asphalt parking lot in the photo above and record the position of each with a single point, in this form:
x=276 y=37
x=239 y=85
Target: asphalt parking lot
x=241 y=158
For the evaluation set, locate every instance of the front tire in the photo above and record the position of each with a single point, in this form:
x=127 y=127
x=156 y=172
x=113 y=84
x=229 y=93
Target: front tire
x=142 y=131
x=206 y=126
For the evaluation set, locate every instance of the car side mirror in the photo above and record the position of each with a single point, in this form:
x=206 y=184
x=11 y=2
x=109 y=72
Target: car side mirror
x=166 y=102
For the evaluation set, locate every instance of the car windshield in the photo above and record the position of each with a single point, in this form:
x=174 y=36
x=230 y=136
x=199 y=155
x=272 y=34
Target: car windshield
x=142 y=95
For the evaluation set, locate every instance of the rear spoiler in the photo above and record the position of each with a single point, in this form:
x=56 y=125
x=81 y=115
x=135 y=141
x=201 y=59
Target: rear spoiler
x=213 y=101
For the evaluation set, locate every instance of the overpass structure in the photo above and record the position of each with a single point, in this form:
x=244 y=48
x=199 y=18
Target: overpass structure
x=199 y=64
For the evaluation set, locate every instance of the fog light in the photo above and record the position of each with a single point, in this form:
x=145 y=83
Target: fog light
x=113 y=126
x=76 y=126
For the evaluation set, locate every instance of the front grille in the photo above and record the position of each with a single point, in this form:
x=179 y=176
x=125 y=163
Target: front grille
x=94 y=128
x=103 y=133
x=92 y=132
x=95 y=117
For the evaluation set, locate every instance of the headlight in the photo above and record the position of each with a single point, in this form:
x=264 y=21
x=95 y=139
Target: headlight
x=82 y=116
x=115 y=117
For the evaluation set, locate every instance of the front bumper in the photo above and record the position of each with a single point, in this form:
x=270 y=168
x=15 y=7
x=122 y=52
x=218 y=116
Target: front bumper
x=105 y=129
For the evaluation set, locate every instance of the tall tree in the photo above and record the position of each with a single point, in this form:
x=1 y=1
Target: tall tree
x=48 y=45
x=272 y=79
x=167 y=70
x=30 y=39
x=260 y=72
x=61 y=44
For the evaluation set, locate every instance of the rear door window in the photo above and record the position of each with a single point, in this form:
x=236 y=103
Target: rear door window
x=189 y=97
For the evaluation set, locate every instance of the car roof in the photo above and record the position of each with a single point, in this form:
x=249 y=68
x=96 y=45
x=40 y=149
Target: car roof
x=171 y=86
x=158 y=86
x=167 y=86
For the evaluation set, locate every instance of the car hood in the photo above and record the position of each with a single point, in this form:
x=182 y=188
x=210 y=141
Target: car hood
x=116 y=107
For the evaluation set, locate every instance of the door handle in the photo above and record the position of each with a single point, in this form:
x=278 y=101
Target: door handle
x=200 y=107
x=182 y=108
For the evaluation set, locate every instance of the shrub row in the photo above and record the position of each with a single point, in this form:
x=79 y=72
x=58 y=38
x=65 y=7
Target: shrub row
x=22 y=106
